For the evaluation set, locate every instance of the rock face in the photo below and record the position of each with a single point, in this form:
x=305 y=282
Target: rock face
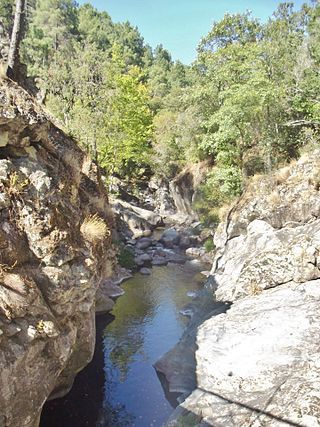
x=183 y=188
x=52 y=258
x=258 y=364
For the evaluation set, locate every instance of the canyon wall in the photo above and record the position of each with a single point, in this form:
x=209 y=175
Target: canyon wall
x=258 y=363
x=55 y=226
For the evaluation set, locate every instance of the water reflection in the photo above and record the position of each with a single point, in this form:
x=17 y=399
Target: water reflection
x=120 y=388
x=147 y=324
x=82 y=405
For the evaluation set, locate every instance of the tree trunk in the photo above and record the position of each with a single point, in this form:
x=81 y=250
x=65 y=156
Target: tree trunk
x=16 y=37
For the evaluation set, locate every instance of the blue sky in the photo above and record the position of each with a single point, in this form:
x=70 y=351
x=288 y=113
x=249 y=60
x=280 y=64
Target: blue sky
x=179 y=24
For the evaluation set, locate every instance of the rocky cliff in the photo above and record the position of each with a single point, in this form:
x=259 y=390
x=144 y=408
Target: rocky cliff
x=258 y=364
x=55 y=251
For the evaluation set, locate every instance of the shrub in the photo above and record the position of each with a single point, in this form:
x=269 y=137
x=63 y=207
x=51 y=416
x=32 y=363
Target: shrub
x=209 y=245
x=126 y=258
x=220 y=187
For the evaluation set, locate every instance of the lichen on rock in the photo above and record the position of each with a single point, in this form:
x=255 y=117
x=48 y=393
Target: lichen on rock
x=49 y=273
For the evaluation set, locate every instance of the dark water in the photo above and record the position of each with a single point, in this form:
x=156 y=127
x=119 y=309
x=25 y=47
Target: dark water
x=120 y=387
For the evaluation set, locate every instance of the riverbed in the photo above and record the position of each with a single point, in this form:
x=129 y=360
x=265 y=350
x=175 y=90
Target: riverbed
x=120 y=387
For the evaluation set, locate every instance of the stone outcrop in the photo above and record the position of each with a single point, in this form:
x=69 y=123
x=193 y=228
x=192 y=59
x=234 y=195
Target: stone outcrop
x=134 y=221
x=184 y=187
x=52 y=257
x=258 y=364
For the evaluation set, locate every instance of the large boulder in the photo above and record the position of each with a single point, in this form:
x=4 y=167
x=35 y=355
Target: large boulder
x=134 y=221
x=55 y=251
x=265 y=258
x=258 y=364
x=170 y=238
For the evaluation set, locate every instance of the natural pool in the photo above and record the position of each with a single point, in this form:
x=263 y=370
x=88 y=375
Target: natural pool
x=120 y=387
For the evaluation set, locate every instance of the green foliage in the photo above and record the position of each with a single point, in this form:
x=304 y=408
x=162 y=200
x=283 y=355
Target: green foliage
x=221 y=186
x=52 y=25
x=249 y=102
x=95 y=28
x=126 y=258
x=6 y=15
x=209 y=245
x=224 y=183
x=129 y=125
x=239 y=29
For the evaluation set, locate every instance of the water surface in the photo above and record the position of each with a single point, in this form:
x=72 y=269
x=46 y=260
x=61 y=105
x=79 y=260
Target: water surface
x=147 y=324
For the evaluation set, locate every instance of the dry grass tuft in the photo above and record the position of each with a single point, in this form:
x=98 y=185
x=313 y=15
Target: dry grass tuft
x=3 y=71
x=282 y=175
x=254 y=289
x=94 y=229
x=274 y=198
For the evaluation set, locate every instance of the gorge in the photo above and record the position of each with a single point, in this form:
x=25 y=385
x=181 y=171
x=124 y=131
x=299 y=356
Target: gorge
x=159 y=219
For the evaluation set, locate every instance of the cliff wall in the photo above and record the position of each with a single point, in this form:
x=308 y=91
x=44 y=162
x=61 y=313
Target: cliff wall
x=55 y=250
x=258 y=364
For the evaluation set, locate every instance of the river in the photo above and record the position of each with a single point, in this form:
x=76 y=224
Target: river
x=120 y=387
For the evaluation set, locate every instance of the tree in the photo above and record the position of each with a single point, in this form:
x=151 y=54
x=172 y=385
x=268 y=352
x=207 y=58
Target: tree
x=6 y=16
x=53 y=25
x=127 y=145
x=13 y=70
x=95 y=27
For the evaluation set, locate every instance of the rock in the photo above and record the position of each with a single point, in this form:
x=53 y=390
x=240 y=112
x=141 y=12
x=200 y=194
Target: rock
x=49 y=271
x=4 y=138
x=184 y=186
x=195 y=252
x=4 y=201
x=104 y=304
x=135 y=221
x=176 y=258
x=187 y=311
x=160 y=252
x=170 y=238
x=163 y=201
x=185 y=242
x=261 y=358
x=178 y=365
x=143 y=259
x=5 y=170
x=266 y=258
x=205 y=273
x=157 y=260
x=192 y=294
x=258 y=363
x=145 y=271
x=109 y=289
x=144 y=243
x=131 y=242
